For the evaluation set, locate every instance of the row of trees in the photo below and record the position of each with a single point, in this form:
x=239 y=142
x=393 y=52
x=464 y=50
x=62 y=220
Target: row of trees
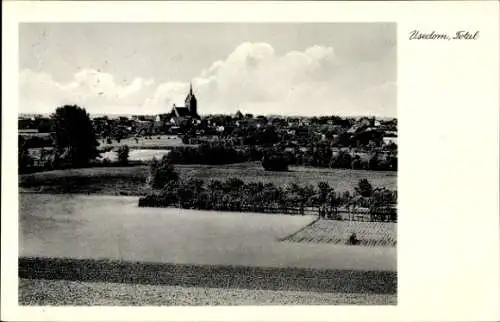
x=233 y=194
x=325 y=157
x=207 y=153
x=272 y=159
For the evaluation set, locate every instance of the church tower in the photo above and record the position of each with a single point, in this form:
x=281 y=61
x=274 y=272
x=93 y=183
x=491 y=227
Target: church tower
x=191 y=102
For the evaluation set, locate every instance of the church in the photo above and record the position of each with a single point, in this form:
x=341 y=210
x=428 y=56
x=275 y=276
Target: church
x=189 y=111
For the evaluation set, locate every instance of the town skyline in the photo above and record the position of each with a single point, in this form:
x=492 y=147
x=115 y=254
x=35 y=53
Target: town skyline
x=283 y=69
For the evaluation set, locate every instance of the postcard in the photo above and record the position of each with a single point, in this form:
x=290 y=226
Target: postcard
x=250 y=161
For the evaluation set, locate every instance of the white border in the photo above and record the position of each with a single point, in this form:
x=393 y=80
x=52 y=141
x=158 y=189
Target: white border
x=448 y=252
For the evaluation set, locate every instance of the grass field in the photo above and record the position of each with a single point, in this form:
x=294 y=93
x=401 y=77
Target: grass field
x=131 y=180
x=50 y=292
x=114 y=227
x=338 y=232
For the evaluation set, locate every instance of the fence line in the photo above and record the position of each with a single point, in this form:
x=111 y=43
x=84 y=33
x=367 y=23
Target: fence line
x=378 y=215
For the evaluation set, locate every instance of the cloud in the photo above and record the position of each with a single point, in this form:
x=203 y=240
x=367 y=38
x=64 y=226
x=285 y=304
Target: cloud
x=252 y=78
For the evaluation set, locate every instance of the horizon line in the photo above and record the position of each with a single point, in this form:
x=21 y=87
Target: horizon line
x=215 y=114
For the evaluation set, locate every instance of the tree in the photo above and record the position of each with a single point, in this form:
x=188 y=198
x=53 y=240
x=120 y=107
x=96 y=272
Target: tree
x=74 y=135
x=341 y=160
x=373 y=162
x=123 y=153
x=364 y=188
x=213 y=187
x=24 y=158
x=323 y=190
x=233 y=184
x=161 y=173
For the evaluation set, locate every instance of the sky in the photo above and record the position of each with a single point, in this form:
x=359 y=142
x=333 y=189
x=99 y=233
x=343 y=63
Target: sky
x=307 y=69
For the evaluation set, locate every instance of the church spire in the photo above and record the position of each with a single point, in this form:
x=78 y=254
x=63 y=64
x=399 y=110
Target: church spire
x=190 y=88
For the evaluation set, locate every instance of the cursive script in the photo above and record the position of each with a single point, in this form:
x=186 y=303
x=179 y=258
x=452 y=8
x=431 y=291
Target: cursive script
x=466 y=35
x=434 y=35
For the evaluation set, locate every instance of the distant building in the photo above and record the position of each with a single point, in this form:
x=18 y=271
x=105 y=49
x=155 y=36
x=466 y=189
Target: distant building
x=390 y=139
x=238 y=115
x=182 y=114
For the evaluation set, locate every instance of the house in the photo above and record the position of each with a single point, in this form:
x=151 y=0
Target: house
x=388 y=140
x=238 y=115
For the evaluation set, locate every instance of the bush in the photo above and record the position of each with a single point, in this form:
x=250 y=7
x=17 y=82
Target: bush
x=274 y=163
x=364 y=188
x=161 y=173
x=353 y=239
x=341 y=160
x=123 y=154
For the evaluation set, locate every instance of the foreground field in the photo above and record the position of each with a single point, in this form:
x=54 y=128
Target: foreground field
x=131 y=180
x=47 y=292
x=83 y=226
x=280 y=278
x=338 y=232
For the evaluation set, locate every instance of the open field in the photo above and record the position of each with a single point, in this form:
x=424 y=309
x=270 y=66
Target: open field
x=338 y=232
x=340 y=179
x=131 y=180
x=110 y=181
x=105 y=250
x=114 y=227
x=280 y=278
x=156 y=142
x=51 y=292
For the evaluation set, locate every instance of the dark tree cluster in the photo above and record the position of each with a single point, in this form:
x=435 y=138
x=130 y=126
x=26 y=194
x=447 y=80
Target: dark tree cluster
x=325 y=157
x=208 y=153
x=75 y=140
x=24 y=160
x=72 y=142
x=275 y=162
x=35 y=142
x=233 y=194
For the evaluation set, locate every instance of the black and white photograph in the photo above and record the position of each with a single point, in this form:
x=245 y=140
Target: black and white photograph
x=249 y=161
x=174 y=164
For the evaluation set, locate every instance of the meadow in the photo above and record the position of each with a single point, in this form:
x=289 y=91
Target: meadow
x=131 y=180
x=114 y=227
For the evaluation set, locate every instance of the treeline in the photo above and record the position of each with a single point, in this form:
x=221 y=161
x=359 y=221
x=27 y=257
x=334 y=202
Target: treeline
x=278 y=159
x=326 y=158
x=208 y=153
x=233 y=194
